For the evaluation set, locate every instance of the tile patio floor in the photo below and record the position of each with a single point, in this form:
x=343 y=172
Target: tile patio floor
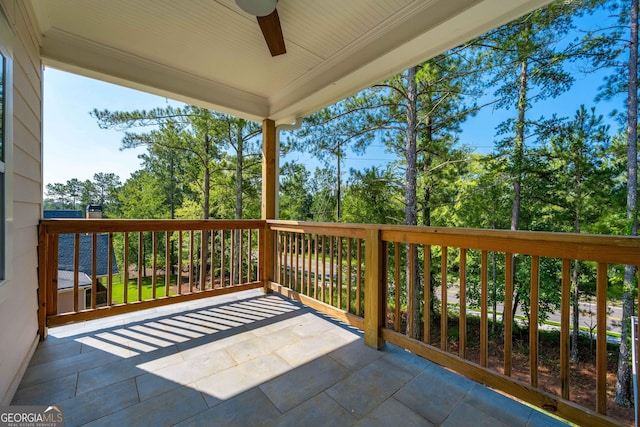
x=249 y=359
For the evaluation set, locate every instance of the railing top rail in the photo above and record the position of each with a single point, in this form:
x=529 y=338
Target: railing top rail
x=599 y=248
x=65 y=226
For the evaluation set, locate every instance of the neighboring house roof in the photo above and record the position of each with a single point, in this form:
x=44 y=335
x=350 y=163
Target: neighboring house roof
x=61 y=213
x=65 y=280
x=66 y=252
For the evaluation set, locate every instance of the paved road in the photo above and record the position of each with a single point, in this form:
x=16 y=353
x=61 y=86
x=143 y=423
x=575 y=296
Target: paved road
x=587 y=310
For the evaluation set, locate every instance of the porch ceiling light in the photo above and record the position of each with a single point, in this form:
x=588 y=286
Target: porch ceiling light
x=257 y=7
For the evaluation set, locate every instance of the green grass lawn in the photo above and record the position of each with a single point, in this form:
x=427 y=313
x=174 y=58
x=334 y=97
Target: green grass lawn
x=117 y=295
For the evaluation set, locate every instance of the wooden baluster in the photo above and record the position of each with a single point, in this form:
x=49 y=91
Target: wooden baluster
x=411 y=278
x=565 y=307
x=396 y=278
x=331 y=270
x=249 y=256
x=349 y=281
x=291 y=263
x=125 y=266
x=324 y=270
x=179 y=272
x=154 y=263
x=507 y=312
x=52 y=292
x=317 y=270
x=240 y=256
x=167 y=263
x=298 y=286
x=601 y=339
x=534 y=298
x=204 y=244
x=110 y=270
x=427 y=294
x=213 y=259
x=484 y=321
x=339 y=277
x=222 y=256
x=94 y=269
x=140 y=263
x=359 y=278
x=309 y=246
x=191 y=258
x=462 y=350
x=443 y=299
x=76 y=266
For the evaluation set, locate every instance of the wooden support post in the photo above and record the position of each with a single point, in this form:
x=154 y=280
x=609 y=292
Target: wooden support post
x=42 y=282
x=269 y=177
x=373 y=294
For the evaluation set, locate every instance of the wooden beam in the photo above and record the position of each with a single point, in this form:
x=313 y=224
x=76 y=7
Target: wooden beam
x=269 y=186
x=269 y=173
x=373 y=294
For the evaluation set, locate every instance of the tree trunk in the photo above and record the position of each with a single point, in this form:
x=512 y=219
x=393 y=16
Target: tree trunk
x=518 y=159
x=576 y=312
x=172 y=212
x=206 y=178
x=623 y=385
x=237 y=250
x=576 y=265
x=411 y=210
x=339 y=190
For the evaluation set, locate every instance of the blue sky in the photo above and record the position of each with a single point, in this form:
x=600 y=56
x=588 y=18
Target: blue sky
x=75 y=147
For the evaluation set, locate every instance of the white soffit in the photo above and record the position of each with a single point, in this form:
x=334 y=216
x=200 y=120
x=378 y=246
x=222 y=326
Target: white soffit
x=210 y=53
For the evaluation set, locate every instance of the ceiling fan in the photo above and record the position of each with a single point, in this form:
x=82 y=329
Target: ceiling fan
x=269 y=21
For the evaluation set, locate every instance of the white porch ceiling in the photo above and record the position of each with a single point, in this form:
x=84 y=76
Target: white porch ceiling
x=211 y=53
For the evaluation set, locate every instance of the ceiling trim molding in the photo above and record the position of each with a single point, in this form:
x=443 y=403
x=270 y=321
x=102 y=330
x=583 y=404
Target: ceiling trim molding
x=77 y=55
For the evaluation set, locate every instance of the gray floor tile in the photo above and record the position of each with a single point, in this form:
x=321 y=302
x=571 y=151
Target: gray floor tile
x=497 y=405
x=164 y=410
x=284 y=365
x=405 y=360
x=251 y=408
x=392 y=413
x=46 y=354
x=312 y=347
x=319 y=411
x=46 y=393
x=62 y=367
x=196 y=368
x=294 y=387
x=355 y=355
x=98 y=403
x=250 y=349
x=434 y=394
x=539 y=419
x=467 y=415
x=365 y=389
x=151 y=385
x=121 y=370
x=238 y=379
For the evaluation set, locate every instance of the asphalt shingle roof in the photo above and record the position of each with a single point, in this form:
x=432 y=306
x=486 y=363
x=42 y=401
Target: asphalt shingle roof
x=66 y=251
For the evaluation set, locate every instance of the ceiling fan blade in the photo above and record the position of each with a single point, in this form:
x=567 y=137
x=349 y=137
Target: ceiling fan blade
x=272 y=32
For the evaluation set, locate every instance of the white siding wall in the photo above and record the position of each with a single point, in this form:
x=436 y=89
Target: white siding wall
x=18 y=296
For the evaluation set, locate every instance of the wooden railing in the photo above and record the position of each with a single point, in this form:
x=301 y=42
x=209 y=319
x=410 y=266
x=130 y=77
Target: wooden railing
x=95 y=268
x=322 y=265
x=457 y=263
x=372 y=277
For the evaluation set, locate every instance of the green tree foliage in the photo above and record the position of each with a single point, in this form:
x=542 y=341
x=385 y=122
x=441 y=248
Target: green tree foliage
x=295 y=193
x=373 y=196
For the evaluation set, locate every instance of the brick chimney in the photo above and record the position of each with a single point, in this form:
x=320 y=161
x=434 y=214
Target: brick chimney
x=94 y=212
